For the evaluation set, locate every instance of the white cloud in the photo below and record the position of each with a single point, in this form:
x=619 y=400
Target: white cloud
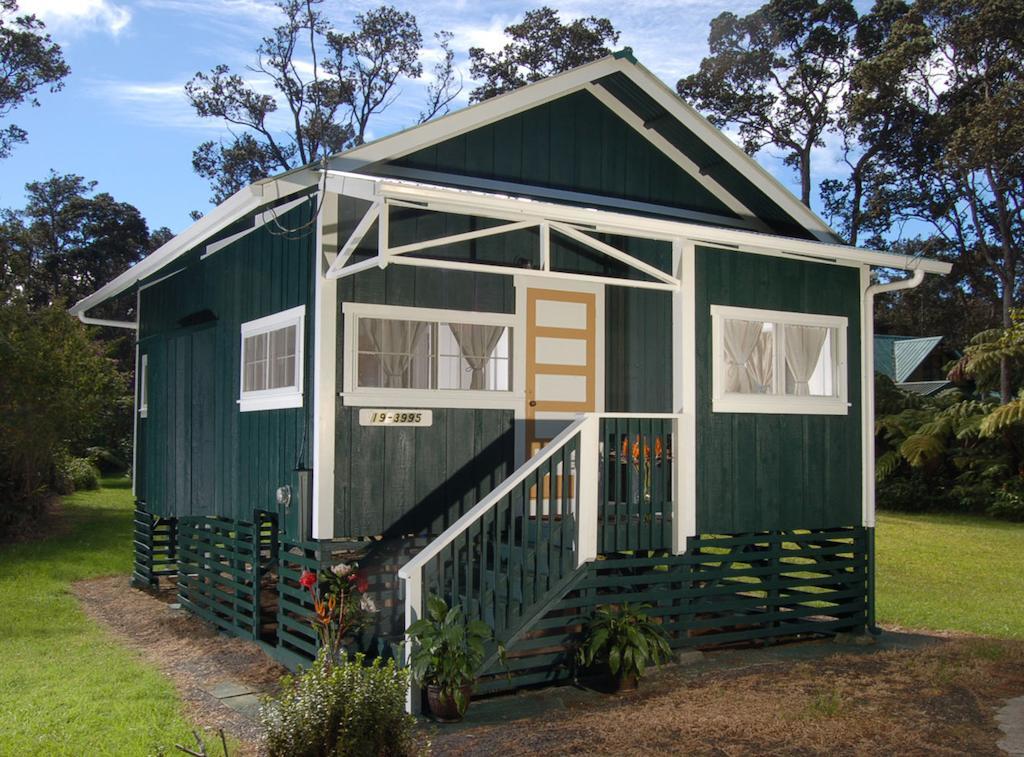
x=151 y=103
x=262 y=12
x=76 y=16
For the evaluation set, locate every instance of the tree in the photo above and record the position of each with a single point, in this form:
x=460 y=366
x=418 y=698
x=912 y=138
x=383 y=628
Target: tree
x=29 y=60
x=59 y=390
x=540 y=46
x=352 y=78
x=68 y=240
x=778 y=75
x=958 y=65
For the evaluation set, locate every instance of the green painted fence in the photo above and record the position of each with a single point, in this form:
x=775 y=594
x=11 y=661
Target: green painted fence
x=726 y=589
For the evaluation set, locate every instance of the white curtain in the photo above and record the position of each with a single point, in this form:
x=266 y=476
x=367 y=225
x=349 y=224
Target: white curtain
x=761 y=363
x=741 y=338
x=476 y=343
x=395 y=341
x=803 y=348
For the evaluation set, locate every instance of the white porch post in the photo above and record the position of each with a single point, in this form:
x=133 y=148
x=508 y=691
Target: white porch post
x=587 y=490
x=413 y=612
x=684 y=334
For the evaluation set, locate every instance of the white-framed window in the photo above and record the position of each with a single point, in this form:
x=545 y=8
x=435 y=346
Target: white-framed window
x=144 y=386
x=771 y=361
x=423 y=357
x=271 y=364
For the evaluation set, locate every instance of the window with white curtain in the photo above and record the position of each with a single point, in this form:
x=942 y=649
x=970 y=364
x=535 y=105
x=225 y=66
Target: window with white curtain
x=437 y=358
x=768 y=361
x=271 y=361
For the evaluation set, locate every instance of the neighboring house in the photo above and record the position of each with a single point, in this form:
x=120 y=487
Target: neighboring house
x=566 y=347
x=913 y=363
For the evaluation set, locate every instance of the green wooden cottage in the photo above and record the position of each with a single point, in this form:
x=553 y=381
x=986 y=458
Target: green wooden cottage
x=566 y=347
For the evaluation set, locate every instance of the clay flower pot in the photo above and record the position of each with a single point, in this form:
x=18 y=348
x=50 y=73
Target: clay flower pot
x=445 y=709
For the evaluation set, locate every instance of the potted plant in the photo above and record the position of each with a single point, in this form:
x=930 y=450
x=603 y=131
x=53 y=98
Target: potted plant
x=447 y=653
x=627 y=640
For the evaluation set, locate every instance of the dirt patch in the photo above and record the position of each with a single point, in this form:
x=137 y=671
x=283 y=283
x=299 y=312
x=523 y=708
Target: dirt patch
x=936 y=700
x=194 y=655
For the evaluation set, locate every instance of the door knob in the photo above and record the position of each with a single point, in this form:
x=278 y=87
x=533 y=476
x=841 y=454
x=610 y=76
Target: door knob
x=533 y=403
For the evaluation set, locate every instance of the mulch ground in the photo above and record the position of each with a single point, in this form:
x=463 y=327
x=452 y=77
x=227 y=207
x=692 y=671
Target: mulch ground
x=192 y=653
x=938 y=700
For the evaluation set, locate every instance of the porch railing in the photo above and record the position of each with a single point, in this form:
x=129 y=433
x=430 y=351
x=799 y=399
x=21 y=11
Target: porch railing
x=584 y=492
x=637 y=473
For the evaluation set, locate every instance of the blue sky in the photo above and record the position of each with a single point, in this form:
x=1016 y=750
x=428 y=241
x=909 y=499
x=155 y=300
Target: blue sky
x=122 y=118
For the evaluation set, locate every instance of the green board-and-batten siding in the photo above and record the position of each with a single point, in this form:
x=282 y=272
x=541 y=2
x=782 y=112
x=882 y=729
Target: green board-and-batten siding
x=402 y=480
x=758 y=472
x=198 y=454
x=573 y=143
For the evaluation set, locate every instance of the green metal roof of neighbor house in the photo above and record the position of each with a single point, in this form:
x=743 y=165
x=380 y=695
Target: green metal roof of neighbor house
x=925 y=388
x=899 y=356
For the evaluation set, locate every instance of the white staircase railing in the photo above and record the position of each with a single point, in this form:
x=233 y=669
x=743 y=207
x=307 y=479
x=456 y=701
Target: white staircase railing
x=568 y=485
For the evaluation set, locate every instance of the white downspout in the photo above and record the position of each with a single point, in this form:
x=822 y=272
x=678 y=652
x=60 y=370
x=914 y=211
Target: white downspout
x=868 y=418
x=868 y=337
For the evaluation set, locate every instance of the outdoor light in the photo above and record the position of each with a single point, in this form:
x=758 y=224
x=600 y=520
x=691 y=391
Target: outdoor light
x=284 y=495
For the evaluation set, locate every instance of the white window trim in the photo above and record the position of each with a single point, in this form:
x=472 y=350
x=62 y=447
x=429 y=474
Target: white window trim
x=355 y=396
x=144 y=386
x=285 y=397
x=722 y=402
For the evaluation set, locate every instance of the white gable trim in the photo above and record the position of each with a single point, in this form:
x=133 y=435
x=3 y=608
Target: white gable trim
x=481 y=114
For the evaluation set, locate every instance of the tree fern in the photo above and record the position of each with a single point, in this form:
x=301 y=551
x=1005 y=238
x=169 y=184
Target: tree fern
x=1003 y=417
x=921 y=449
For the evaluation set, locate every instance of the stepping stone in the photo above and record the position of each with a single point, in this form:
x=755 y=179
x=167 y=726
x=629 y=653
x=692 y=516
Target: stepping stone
x=246 y=704
x=1011 y=721
x=226 y=689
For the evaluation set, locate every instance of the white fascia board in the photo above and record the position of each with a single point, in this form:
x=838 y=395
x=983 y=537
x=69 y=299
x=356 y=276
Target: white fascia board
x=729 y=150
x=241 y=203
x=483 y=203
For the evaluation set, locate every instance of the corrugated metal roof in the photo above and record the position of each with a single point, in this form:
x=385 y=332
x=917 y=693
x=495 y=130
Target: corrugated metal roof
x=910 y=353
x=926 y=388
x=898 y=356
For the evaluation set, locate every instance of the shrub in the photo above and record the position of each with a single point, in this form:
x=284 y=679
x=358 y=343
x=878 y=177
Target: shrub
x=73 y=474
x=341 y=710
x=1008 y=503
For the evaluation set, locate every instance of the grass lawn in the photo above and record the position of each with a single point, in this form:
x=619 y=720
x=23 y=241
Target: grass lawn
x=952 y=572
x=66 y=687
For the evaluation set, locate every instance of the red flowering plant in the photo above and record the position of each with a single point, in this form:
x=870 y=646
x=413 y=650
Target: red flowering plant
x=340 y=604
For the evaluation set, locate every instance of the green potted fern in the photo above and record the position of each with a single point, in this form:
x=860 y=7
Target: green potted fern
x=447 y=653
x=627 y=640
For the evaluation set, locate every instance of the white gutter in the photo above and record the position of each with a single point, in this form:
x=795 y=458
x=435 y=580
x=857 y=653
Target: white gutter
x=868 y=411
x=103 y=322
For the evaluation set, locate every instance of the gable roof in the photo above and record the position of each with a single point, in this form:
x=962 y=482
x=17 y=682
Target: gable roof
x=899 y=356
x=650 y=107
x=620 y=83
